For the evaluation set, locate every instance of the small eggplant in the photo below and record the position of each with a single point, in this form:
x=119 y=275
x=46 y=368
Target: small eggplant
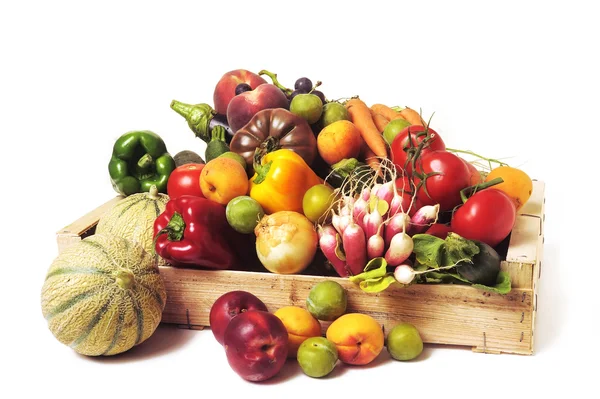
x=202 y=119
x=485 y=267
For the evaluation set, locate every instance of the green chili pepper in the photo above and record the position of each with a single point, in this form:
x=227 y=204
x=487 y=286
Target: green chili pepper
x=139 y=161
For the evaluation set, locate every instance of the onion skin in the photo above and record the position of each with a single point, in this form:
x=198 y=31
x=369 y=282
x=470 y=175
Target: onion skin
x=286 y=242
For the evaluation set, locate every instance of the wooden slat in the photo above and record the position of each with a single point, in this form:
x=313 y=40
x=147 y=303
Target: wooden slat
x=444 y=314
x=74 y=231
x=528 y=226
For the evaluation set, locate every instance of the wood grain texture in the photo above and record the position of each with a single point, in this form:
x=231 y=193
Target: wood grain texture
x=444 y=314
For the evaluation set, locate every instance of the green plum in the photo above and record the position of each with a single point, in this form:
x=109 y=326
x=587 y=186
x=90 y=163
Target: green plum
x=317 y=356
x=327 y=300
x=307 y=106
x=404 y=342
x=243 y=214
x=332 y=112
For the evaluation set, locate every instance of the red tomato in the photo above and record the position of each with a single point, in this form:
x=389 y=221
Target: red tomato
x=439 y=230
x=185 y=180
x=475 y=175
x=488 y=216
x=409 y=138
x=447 y=175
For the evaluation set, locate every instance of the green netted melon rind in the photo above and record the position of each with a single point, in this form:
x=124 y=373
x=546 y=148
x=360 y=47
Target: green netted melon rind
x=85 y=306
x=133 y=218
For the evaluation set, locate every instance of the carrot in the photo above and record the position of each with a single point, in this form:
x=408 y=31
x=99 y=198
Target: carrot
x=386 y=111
x=360 y=115
x=380 y=121
x=412 y=116
x=371 y=159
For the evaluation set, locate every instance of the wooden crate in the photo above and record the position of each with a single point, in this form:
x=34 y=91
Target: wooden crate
x=444 y=313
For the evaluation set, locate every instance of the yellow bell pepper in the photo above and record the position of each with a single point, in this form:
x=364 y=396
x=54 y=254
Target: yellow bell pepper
x=281 y=180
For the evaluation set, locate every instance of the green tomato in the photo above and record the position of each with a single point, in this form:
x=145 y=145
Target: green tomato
x=317 y=201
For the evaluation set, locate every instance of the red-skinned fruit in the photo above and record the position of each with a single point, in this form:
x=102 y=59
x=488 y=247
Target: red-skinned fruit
x=225 y=88
x=185 y=180
x=228 y=306
x=488 y=216
x=407 y=141
x=439 y=230
x=256 y=345
x=440 y=176
x=245 y=105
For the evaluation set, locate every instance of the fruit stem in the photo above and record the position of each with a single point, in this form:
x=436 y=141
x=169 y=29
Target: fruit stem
x=477 y=187
x=153 y=192
x=488 y=160
x=273 y=77
x=319 y=83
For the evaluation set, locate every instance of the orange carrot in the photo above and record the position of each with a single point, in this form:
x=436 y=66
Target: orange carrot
x=380 y=121
x=386 y=111
x=371 y=159
x=360 y=115
x=412 y=116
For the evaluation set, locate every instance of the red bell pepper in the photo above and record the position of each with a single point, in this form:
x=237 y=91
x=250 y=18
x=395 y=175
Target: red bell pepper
x=193 y=231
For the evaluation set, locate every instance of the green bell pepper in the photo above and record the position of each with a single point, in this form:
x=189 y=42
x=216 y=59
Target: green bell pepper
x=139 y=161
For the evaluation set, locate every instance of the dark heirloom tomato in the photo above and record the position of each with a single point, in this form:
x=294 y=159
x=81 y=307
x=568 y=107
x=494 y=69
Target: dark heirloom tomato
x=185 y=180
x=487 y=216
x=278 y=128
x=444 y=176
x=411 y=137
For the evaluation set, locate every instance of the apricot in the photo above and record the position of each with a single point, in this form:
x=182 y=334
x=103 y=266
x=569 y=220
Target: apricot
x=517 y=184
x=339 y=140
x=222 y=179
x=300 y=325
x=358 y=338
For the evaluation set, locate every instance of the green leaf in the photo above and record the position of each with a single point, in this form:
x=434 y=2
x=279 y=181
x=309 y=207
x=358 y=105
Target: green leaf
x=428 y=249
x=376 y=268
x=378 y=284
x=458 y=249
x=503 y=285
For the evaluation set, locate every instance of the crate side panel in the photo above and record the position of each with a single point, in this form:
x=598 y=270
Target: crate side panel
x=444 y=314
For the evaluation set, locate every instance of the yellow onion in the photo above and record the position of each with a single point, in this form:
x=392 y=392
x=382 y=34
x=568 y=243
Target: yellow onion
x=286 y=242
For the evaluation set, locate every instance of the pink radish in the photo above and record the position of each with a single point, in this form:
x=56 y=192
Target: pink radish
x=423 y=218
x=340 y=222
x=348 y=204
x=376 y=245
x=397 y=224
x=360 y=209
x=400 y=249
x=355 y=247
x=329 y=242
x=386 y=192
x=326 y=230
x=365 y=194
x=404 y=274
x=371 y=223
x=375 y=189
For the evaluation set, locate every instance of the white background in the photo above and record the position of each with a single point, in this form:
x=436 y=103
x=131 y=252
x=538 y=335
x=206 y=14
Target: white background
x=505 y=79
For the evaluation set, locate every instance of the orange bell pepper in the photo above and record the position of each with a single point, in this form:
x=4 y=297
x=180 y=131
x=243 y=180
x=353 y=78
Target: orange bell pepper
x=281 y=180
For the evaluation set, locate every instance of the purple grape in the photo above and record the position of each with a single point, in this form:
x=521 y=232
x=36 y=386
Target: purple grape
x=242 y=87
x=320 y=95
x=294 y=94
x=303 y=85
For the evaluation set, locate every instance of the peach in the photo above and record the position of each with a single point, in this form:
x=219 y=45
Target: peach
x=225 y=88
x=358 y=338
x=222 y=179
x=245 y=105
x=339 y=140
x=300 y=325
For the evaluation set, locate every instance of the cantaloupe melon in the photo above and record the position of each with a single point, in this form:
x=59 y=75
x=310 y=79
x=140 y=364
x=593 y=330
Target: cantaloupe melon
x=133 y=218
x=103 y=295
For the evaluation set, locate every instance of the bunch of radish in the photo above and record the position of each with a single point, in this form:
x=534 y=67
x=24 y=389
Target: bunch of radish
x=375 y=222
